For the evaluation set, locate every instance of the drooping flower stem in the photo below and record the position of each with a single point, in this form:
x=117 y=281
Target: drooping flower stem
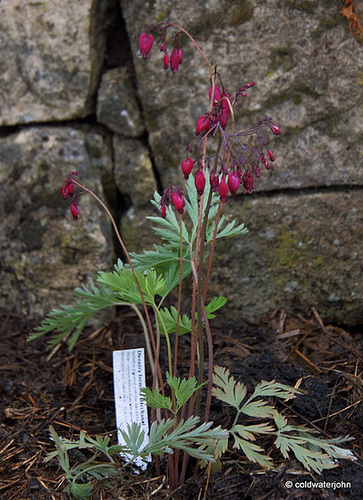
x=194 y=43
x=155 y=364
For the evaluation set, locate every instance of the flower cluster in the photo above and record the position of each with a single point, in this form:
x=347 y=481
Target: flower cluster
x=68 y=190
x=172 y=195
x=146 y=42
x=235 y=163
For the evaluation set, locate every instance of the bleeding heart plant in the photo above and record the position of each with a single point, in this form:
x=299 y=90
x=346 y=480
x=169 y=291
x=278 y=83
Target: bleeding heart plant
x=223 y=163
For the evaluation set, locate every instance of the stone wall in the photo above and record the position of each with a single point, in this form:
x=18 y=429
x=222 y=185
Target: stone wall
x=74 y=95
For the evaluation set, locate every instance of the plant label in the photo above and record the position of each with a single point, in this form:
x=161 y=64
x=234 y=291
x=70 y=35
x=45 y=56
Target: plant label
x=129 y=379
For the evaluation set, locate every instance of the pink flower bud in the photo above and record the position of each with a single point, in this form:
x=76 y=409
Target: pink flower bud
x=163 y=210
x=174 y=61
x=214 y=181
x=166 y=61
x=187 y=167
x=266 y=163
x=233 y=182
x=146 y=42
x=275 y=129
x=223 y=118
x=217 y=93
x=270 y=155
x=74 y=209
x=70 y=186
x=65 y=192
x=247 y=180
x=249 y=85
x=203 y=123
x=199 y=181
x=223 y=190
x=180 y=54
x=178 y=201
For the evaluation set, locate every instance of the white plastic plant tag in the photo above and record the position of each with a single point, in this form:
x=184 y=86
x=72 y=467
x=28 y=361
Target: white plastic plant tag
x=129 y=379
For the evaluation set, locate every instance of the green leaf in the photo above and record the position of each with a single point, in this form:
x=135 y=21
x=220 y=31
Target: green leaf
x=253 y=452
x=187 y=436
x=123 y=283
x=259 y=409
x=276 y=390
x=169 y=319
x=183 y=388
x=69 y=321
x=215 y=304
x=81 y=491
x=230 y=229
x=227 y=389
x=170 y=316
x=248 y=431
x=155 y=399
x=134 y=437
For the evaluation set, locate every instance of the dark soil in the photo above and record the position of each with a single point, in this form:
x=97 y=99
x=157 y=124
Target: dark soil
x=74 y=391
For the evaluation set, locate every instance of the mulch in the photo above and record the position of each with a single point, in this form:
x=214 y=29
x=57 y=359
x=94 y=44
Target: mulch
x=73 y=391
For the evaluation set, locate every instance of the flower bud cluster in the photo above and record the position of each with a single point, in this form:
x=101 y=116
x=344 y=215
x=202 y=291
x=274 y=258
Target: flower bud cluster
x=172 y=195
x=221 y=109
x=68 y=191
x=244 y=163
x=235 y=164
x=146 y=42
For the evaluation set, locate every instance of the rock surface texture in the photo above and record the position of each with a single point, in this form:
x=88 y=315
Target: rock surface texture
x=73 y=96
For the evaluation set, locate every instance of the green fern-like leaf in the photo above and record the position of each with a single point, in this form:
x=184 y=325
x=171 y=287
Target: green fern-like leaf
x=249 y=431
x=156 y=400
x=253 y=452
x=315 y=454
x=125 y=287
x=227 y=389
x=183 y=388
x=169 y=321
x=213 y=306
x=170 y=316
x=69 y=321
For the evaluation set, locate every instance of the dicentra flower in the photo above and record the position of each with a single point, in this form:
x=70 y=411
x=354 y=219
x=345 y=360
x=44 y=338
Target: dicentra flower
x=233 y=182
x=203 y=123
x=187 y=167
x=199 y=181
x=74 y=209
x=223 y=190
x=275 y=129
x=146 y=42
x=178 y=201
x=214 y=181
x=176 y=59
x=166 y=60
x=247 y=180
x=173 y=195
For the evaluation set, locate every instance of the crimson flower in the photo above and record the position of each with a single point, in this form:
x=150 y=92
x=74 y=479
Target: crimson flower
x=233 y=182
x=223 y=190
x=146 y=42
x=187 y=167
x=199 y=181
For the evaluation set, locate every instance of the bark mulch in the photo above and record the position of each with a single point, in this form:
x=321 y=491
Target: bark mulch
x=74 y=390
